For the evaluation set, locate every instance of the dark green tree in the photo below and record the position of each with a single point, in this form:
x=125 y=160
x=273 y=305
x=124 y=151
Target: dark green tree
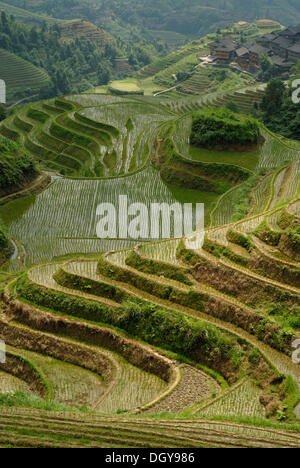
x=273 y=97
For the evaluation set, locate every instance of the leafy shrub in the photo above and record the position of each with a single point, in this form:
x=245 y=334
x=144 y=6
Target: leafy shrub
x=239 y=239
x=212 y=127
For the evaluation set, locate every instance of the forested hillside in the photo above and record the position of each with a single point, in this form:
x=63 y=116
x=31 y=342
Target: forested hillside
x=190 y=17
x=73 y=60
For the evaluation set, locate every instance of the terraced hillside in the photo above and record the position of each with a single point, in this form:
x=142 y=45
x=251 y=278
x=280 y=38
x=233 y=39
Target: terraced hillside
x=146 y=327
x=19 y=74
x=72 y=29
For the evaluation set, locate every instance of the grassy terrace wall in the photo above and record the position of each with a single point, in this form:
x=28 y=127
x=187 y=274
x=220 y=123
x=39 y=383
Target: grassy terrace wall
x=219 y=250
x=248 y=290
x=120 y=92
x=275 y=269
x=113 y=131
x=250 y=320
x=184 y=335
x=290 y=243
x=259 y=261
x=57 y=348
x=5 y=247
x=26 y=371
x=209 y=177
x=155 y=267
x=267 y=235
x=88 y=285
x=287 y=241
x=287 y=220
x=134 y=352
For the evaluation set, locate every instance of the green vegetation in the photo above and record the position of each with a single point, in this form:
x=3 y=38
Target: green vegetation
x=43 y=61
x=143 y=320
x=193 y=18
x=221 y=127
x=156 y=320
x=128 y=86
x=21 y=399
x=157 y=268
x=16 y=166
x=246 y=159
x=22 y=78
x=5 y=247
x=278 y=111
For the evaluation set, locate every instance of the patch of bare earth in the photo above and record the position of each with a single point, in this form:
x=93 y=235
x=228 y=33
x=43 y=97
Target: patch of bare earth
x=193 y=387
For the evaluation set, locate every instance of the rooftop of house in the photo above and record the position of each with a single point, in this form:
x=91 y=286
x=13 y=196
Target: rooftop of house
x=281 y=62
x=267 y=37
x=290 y=31
x=295 y=48
x=242 y=51
x=258 y=49
x=282 y=42
x=227 y=45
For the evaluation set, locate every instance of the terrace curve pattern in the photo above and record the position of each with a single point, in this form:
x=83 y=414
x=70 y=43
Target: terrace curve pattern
x=131 y=329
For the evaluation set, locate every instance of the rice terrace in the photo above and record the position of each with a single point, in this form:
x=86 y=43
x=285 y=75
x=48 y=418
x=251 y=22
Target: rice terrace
x=148 y=341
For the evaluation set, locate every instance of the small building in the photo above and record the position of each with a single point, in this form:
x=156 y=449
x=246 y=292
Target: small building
x=280 y=46
x=242 y=57
x=224 y=50
x=255 y=51
x=266 y=39
x=282 y=64
x=294 y=52
x=292 y=33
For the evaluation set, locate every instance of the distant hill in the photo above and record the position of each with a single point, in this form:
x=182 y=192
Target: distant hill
x=70 y=30
x=69 y=58
x=191 y=17
x=28 y=17
x=21 y=77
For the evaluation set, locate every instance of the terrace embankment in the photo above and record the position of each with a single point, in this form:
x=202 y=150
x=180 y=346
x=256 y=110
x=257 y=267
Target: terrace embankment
x=33 y=187
x=22 y=368
x=237 y=283
x=58 y=348
x=273 y=268
x=287 y=241
x=210 y=177
x=206 y=301
x=134 y=352
x=289 y=244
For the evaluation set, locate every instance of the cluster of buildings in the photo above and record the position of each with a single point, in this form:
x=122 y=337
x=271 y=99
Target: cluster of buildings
x=283 y=48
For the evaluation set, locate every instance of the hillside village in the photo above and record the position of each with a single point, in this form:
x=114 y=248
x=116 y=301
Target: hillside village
x=282 y=47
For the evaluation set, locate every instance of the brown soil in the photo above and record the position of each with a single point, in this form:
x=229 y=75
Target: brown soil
x=193 y=388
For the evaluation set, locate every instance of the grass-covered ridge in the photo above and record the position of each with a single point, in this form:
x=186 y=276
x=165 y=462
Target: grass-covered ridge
x=223 y=128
